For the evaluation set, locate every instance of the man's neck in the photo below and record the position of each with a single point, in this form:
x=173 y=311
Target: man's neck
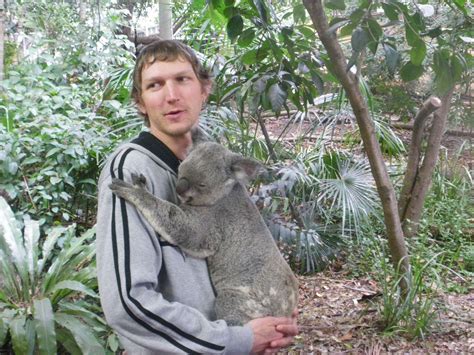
x=177 y=144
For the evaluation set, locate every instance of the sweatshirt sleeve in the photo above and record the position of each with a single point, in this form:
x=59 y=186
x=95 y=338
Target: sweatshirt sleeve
x=129 y=260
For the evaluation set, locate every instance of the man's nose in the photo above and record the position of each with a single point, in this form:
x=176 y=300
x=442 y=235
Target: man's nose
x=172 y=92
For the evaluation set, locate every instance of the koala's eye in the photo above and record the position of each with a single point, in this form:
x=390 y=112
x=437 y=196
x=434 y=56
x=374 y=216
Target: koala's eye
x=202 y=184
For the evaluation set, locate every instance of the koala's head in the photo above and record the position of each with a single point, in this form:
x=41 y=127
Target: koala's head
x=210 y=172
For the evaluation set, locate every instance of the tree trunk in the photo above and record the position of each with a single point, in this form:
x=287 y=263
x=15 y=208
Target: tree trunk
x=82 y=10
x=385 y=188
x=422 y=181
x=127 y=29
x=268 y=141
x=2 y=38
x=165 y=19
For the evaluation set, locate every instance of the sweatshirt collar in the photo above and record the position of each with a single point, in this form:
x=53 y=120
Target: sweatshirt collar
x=158 y=148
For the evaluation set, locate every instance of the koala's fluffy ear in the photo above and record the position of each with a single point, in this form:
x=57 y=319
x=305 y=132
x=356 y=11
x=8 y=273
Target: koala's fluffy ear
x=198 y=136
x=245 y=169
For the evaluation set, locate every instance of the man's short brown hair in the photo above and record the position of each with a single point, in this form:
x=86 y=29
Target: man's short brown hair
x=166 y=51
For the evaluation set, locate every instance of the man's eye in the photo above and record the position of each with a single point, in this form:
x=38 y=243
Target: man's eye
x=154 y=86
x=183 y=78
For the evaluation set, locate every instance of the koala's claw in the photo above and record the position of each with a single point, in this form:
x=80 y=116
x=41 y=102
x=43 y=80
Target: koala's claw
x=139 y=180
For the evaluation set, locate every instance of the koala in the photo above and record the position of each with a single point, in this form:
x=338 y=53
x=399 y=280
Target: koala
x=217 y=220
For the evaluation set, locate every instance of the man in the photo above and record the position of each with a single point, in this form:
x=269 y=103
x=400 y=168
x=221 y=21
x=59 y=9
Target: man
x=158 y=299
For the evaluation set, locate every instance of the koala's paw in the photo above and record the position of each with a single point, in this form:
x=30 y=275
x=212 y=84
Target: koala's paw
x=120 y=187
x=139 y=181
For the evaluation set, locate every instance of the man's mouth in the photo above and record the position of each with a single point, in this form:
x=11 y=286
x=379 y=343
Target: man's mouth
x=174 y=112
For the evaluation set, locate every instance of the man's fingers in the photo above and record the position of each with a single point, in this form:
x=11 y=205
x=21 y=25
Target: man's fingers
x=275 y=345
x=288 y=329
x=282 y=320
x=295 y=313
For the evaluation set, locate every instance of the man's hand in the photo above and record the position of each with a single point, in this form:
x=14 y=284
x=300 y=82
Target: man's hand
x=289 y=330
x=273 y=333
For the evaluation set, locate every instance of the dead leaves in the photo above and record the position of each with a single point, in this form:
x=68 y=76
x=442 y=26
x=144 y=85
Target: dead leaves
x=338 y=314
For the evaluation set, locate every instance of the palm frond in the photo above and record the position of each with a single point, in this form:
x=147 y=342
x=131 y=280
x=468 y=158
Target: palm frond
x=351 y=192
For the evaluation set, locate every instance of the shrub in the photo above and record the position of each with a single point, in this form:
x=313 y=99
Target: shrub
x=47 y=298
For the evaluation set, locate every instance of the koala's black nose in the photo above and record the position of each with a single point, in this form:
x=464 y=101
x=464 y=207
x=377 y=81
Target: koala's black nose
x=182 y=186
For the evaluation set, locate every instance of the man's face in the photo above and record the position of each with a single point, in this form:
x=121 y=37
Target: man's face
x=172 y=97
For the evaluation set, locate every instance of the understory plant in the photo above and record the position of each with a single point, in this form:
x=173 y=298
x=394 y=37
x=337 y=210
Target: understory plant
x=412 y=314
x=315 y=202
x=48 y=302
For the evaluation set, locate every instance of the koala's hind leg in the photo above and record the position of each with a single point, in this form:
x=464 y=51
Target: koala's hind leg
x=236 y=308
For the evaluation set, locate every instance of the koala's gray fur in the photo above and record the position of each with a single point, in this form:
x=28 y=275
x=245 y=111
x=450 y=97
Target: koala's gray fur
x=217 y=220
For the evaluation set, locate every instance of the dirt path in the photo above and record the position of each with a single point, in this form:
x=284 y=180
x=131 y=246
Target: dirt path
x=339 y=315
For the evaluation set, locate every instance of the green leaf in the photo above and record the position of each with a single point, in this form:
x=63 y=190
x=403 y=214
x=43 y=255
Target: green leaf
x=74 y=286
x=260 y=84
x=441 y=61
x=231 y=11
x=44 y=324
x=83 y=336
x=458 y=65
x=435 y=32
x=391 y=11
x=359 y=40
x=19 y=335
x=277 y=97
x=6 y=316
x=299 y=13
x=392 y=58
x=249 y=57
x=442 y=66
x=335 y=4
x=461 y=5
x=246 y=37
x=411 y=33
x=49 y=243
x=356 y=16
x=375 y=30
x=113 y=342
x=418 y=53
x=32 y=234
x=235 y=27
x=66 y=339
x=411 y=72
x=337 y=23
x=77 y=310
x=308 y=32
x=11 y=239
x=347 y=30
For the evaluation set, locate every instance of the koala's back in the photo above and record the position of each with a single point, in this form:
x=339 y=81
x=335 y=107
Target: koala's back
x=251 y=277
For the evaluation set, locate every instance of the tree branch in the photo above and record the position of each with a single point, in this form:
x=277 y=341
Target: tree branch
x=423 y=181
x=414 y=155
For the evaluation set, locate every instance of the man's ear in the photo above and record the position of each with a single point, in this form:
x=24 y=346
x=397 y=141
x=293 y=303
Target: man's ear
x=141 y=107
x=206 y=91
x=245 y=169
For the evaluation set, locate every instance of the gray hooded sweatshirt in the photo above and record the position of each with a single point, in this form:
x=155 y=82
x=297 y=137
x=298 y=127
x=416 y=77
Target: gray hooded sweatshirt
x=158 y=299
